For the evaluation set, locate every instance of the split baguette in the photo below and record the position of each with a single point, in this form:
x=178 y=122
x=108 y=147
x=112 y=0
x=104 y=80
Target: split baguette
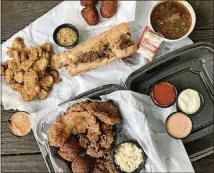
x=109 y=46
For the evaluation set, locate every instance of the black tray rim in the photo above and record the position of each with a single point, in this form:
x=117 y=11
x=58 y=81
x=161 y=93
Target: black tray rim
x=165 y=58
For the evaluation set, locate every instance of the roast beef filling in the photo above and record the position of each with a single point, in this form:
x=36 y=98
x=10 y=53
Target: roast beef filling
x=105 y=51
x=125 y=41
x=94 y=55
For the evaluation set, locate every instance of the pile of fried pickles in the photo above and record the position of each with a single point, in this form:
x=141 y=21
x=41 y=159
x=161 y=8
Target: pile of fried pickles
x=28 y=71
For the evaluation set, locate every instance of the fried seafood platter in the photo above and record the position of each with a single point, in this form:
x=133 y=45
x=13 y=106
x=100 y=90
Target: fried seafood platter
x=89 y=128
x=28 y=70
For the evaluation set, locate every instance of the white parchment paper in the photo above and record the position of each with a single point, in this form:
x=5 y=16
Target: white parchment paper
x=142 y=121
x=41 y=30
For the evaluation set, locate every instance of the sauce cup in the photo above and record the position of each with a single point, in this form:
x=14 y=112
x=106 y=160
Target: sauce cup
x=66 y=25
x=192 y=13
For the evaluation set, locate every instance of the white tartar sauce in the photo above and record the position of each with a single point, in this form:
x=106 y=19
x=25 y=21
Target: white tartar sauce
x=189 y=101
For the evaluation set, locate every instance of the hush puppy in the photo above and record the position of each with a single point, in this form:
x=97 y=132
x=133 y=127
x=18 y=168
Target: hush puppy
x=82 y=164
x=90 y=14
x=108 y=8
x=87 y=3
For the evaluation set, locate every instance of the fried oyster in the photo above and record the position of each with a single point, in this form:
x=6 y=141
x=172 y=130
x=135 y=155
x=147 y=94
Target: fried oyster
x=27 y=72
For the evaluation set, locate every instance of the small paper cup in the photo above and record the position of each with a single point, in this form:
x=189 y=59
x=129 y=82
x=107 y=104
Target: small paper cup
x=200 y=108
x=140 y=166
x=190 y=9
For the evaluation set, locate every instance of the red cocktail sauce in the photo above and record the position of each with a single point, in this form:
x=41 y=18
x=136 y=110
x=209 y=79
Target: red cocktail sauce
x=163 y=94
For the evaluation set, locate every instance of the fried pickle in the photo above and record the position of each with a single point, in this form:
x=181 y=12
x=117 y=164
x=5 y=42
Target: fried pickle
x=12 y=65
x=30 y=78
x=29 y=92
x=9 y=76
x=55 y=61
x=26 y=64
x=2 y=70
x=54 y=73
x=19 y=77
x=27 y=71
x=46 y=82
x=42 y=94
x=18 y=43
x=16 y=87
x=47 y=47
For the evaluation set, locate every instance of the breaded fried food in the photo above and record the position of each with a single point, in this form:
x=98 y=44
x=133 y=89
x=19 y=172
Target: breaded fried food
x=9 y=76
x=107 y=139
x=54 y=73
x=2 y=70
x=105 y=112
x=87 y=3
x=23 y=55
x=55 y=61
x=70 y=150
x=71 y=123
x=13 y=53
x=90 y=14
x=58 y=133
x=99 y=167
x=84 y=141
x=32 y=54
x=12 y=65
x=41 y=64
x=94 y=150
x=108 y=8
x=29 y=69
x=18 y=43
x=105 y=128
x=16 y=87
x=26 y=65
x=19 y=77
x=46 y=82
x=29 y=92
x=110 y=167
x=42 y=94
x=79 y=107
x=80 y=122
x=94 y=132
x=82 y=164
x=30 y=77
x=47 y=47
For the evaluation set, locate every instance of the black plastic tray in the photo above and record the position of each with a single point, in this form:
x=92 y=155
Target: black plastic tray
x=96 y=92
x=188 y=67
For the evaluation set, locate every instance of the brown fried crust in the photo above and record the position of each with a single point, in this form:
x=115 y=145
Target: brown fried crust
x=108 y=8
x=70 y=150
x=106 y=112
x=82 y=164
x=90 y=15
